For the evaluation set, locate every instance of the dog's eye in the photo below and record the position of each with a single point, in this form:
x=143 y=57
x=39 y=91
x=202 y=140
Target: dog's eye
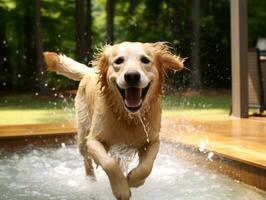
x=144 y=60
x=119 y=60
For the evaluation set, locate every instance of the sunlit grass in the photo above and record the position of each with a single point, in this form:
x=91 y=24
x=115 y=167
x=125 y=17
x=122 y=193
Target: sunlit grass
x=199 y=108
x=33 y=116
x=199 y=115
x=196 y=102
x=35 y=110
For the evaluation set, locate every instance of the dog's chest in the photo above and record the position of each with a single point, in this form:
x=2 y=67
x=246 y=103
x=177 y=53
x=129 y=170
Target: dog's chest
x=134 y=135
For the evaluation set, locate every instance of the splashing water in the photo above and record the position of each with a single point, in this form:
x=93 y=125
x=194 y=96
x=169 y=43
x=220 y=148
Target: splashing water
x=203 y=144
x=57 y=174
x=145 y=128
x=125 y=156
x=210 y=155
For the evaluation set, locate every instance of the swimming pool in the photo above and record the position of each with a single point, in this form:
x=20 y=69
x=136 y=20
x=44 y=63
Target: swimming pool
x=52 y=173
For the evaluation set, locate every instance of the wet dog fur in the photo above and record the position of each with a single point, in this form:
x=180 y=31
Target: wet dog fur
x=115 y=101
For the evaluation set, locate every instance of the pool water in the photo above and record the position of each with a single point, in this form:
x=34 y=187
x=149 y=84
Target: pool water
x=58 y=174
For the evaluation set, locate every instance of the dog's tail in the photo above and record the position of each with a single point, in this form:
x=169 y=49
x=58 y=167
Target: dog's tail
x=66 y=66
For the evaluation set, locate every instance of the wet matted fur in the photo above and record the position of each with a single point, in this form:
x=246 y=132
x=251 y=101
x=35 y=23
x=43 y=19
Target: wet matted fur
x=119 y=103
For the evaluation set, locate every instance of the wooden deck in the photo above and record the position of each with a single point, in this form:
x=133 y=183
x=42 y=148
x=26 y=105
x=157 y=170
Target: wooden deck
x=242 y=141
x=13 y=137
x=36 y=130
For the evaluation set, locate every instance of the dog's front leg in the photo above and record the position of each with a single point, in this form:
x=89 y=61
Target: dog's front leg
x=117 y=179
x=146 y=158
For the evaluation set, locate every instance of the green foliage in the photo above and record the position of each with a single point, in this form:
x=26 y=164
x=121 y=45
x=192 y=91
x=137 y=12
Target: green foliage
x=145 y=21
x=257 y=18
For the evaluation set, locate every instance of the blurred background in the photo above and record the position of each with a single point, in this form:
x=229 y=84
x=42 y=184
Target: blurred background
x=198 y=30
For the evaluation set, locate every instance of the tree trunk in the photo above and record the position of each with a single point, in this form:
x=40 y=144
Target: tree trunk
x=132 y=6
x=80 y=17
x=110 y=9
x=5 y=67
x=39 y=48
x=28 y=65
x=195 y=81
x=88 y=33
x=177 y=29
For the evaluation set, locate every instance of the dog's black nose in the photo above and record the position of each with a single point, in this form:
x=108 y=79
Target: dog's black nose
x=132 y=77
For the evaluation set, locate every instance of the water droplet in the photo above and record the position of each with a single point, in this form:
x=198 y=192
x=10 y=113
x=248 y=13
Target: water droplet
x=202 y=145
x=210 y=155
x=145 y=128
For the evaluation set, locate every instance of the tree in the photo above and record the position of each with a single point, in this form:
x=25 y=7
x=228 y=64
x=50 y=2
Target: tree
x=5 y=68
x=88 y=32
x=83 y=30
x=110 y=10
x=195 y=81
x=80 y=31
x=39 y=47
x=132 y=6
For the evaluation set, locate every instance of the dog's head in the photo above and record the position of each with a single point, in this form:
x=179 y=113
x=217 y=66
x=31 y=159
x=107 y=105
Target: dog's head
x=135 y=71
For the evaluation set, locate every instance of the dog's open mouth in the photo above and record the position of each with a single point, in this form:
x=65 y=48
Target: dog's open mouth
x=133 y=97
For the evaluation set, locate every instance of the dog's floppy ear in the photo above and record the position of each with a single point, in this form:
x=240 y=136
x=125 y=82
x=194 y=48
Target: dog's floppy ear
x=165 y=58
x=101 y=63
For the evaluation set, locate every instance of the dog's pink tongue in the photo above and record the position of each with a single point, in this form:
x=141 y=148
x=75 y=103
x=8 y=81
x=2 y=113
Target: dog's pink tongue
x=133 y=97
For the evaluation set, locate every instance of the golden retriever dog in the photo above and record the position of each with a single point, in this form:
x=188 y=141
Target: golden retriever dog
x=119 y=103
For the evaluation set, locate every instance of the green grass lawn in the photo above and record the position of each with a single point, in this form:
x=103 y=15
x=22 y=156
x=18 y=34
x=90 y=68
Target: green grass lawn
x=24 y=109
x=197 y=107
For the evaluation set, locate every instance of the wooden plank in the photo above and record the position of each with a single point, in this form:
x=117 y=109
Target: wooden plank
x=240 y=171
x=241 y=140
x=36 y=130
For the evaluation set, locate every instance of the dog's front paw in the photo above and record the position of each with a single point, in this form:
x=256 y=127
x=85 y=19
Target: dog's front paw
x=123 y=195
x=120 y=188
x=137 y=176
x=135 y=184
